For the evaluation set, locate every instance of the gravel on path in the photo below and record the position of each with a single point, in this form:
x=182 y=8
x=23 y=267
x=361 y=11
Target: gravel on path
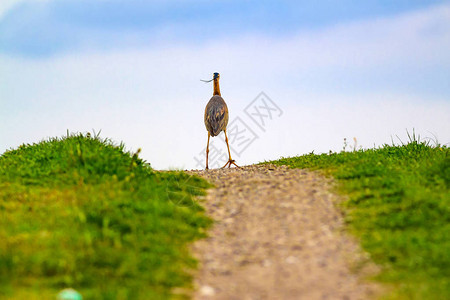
x=278 y=235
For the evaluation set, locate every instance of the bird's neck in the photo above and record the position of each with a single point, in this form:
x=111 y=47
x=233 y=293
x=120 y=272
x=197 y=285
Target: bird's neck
x=216 y=87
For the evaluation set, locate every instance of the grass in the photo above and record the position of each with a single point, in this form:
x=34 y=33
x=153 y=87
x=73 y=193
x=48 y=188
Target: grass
x=81 y=212
x=398 y=205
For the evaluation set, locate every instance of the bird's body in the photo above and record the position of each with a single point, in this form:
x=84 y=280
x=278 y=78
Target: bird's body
x=216 y=115
x=216 y=118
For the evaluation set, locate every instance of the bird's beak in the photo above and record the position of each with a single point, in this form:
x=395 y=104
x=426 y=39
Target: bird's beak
x=206 y=80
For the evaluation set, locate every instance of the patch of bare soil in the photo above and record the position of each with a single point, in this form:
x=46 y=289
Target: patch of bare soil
x=278 y=235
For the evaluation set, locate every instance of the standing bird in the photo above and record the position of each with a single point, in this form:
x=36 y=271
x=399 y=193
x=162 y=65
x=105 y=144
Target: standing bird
x=216 y=118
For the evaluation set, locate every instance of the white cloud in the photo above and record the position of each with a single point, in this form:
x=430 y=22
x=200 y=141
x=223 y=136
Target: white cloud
x=7 y=5
x=152 y=98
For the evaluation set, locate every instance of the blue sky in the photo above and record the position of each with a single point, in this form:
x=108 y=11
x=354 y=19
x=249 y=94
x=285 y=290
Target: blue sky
x=42 y=28
x=337 y=69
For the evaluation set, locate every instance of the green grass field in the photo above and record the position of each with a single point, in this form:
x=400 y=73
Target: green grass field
x=398 y=205
x=81 y=212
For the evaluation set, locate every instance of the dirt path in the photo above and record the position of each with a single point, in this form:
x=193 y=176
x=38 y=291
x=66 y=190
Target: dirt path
x=278 y=235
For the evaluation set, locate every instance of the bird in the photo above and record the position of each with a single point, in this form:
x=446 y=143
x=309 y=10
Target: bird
x=216 y=118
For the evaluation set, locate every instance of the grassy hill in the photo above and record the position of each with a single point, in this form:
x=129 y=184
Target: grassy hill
x=398 y=205
x=81 y=212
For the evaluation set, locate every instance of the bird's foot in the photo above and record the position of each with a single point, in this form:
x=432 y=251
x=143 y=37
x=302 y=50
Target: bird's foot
x=231 y=161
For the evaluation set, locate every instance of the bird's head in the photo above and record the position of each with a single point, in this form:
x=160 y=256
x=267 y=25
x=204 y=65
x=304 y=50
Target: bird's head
x=215 y=76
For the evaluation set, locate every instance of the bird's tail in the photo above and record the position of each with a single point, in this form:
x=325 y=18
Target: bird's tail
x=216 y=129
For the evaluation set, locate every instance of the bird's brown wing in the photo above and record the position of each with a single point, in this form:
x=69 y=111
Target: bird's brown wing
x=216 y=116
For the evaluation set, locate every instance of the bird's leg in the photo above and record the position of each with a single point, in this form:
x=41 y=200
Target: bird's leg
x=230 y=161
x=207 y=151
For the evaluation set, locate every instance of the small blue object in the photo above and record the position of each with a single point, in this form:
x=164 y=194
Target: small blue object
x=69 y=294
